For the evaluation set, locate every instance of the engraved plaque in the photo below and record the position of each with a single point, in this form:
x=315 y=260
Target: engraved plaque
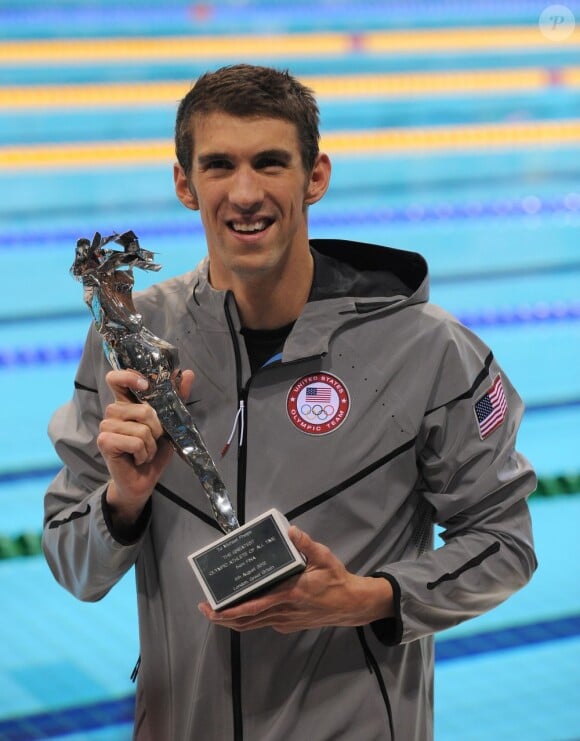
x=249 y=559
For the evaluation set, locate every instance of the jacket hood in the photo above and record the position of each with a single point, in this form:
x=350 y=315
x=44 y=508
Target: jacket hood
x=367 y=271
x=352 y=281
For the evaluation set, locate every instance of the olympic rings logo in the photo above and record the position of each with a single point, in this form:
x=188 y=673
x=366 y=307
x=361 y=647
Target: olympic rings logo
x=317 y=411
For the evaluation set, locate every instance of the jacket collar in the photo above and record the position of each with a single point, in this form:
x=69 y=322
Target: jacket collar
x=353 y=281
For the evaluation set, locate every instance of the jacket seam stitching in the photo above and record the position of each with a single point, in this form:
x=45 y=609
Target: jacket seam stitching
x=471 y=564
x=192 y=509
x=471 y=391
x=343 y=485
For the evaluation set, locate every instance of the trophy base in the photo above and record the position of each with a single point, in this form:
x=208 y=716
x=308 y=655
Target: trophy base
x=248 y=560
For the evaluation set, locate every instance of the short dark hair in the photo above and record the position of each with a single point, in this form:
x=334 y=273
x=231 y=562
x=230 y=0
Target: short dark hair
x=249 y=90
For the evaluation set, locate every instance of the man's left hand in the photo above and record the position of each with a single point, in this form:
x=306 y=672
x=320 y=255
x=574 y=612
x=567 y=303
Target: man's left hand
x=324 y=594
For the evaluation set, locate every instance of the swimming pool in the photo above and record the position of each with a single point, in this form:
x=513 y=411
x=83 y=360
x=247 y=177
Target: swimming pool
x=464 y=151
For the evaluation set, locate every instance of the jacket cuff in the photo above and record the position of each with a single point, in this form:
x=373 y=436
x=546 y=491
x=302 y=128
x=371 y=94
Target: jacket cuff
x=390 y=630
x=126 y=535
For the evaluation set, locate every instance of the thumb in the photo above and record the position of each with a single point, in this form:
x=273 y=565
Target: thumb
x=187 y=378
x=312 y=551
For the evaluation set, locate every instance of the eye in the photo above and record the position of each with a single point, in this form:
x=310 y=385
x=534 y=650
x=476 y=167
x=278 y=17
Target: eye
x=270 y=162
x=215 y=163
x=218 y=164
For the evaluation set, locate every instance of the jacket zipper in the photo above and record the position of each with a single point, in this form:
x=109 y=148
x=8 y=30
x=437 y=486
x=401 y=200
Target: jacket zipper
x=235 y=638
x=375 y=669
x=240 y=422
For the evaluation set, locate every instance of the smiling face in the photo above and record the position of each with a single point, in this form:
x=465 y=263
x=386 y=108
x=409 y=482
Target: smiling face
x=248 y=182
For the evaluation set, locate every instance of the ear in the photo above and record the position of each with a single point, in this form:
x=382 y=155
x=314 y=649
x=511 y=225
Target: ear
x=319 y=179
x=185 y=194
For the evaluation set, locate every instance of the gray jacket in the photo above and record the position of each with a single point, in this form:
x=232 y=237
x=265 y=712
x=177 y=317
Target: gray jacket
x=409 y=421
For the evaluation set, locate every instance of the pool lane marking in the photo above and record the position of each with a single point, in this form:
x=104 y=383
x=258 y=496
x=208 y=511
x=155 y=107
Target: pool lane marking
x=80 y=155
x=403 y=85
x=88 y=51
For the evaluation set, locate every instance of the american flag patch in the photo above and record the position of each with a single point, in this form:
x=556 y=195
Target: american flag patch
x=318 y=393
x=491 y=409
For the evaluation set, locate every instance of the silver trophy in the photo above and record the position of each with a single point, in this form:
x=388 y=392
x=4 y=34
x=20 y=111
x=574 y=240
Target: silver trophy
x=248 y=558
x=107 y=277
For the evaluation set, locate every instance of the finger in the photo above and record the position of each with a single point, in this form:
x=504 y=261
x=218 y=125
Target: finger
x=315 y=554
x=132 y=419
x=279 y=598
x=187 y=378
x=112 y=444
x=282 y=622
x=134 y=411
x=250 y=610
x=123 y=384
x=136 y=438
x=276 y=620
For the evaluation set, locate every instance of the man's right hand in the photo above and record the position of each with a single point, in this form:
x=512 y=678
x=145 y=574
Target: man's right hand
x=132 y=442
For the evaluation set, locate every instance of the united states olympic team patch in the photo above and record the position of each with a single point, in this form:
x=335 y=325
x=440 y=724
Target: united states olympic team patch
x=318 y=403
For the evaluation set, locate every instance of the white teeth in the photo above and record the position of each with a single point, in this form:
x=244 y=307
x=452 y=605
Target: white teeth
x=257 y=226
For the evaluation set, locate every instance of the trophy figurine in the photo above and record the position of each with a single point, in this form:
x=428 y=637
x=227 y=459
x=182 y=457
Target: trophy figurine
x=248 y=558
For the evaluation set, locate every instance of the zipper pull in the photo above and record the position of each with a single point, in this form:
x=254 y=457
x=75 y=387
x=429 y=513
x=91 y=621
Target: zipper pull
x=239 y=416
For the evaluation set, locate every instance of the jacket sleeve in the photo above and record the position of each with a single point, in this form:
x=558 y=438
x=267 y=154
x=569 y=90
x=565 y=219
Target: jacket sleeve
x=476 y=484
x=78 y=541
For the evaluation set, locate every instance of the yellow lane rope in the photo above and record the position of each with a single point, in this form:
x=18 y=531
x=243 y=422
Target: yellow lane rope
x=404 y=85
x=205 y=48
x=386 y=141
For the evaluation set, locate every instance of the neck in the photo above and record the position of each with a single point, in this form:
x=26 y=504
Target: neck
x=271 y=301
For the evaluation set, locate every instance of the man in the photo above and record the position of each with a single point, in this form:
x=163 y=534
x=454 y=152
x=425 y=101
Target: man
x=363 y=413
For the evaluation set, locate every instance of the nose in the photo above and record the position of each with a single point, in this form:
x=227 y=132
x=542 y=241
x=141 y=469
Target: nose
x=246 y=192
